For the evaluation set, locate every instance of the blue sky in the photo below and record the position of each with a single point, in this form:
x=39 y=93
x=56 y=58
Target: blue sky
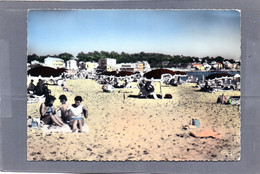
x=197 y=33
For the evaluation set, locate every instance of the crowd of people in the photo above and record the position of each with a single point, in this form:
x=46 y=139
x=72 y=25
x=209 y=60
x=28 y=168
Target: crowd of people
x=71 y=114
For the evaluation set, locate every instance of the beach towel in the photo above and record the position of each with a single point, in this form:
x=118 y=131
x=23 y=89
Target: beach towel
x=64 y=129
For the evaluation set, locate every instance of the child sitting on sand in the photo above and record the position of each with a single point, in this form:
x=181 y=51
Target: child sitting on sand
x=63 y=108
x=77 y=111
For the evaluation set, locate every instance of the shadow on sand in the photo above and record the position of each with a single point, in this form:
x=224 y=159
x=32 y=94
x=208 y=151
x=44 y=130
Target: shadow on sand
x=143 y=97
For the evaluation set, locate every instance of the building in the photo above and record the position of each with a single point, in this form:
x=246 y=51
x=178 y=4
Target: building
x=91 y=66
x=207 y=67
x=132 y=67
x=198 y=66
x=216 y=65
x=228 y=65
x=54 y=62
x=220 y=65
x=126 y=67
x=107 y=64
x=139 y=66
x=72 y=65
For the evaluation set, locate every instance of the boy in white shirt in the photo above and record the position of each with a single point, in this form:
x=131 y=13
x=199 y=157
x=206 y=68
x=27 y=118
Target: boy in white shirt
x=78 y=112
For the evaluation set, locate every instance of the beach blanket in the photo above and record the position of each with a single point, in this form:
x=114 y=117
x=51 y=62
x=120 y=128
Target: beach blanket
x=205 y=134
x=38 y=124
x=64 y=129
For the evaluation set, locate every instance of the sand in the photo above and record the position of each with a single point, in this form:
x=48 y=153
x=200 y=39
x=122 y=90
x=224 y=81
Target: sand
x=126 y=128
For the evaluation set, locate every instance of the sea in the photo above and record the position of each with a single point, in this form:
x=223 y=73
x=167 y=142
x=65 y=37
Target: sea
x=199 y=74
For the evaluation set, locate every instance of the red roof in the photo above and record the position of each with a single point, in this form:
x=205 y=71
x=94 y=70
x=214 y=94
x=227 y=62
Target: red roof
x=196 y=64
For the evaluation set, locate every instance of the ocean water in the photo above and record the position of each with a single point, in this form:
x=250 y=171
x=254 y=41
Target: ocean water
x=199 y=75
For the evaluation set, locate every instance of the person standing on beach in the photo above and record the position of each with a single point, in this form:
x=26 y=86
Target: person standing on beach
x=77 y=112
x=47 y=112
x=63 y=108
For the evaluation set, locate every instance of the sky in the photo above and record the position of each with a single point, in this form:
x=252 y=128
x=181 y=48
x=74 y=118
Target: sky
x=198 y=33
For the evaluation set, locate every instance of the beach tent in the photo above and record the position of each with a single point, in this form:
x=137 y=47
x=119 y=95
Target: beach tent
x=220 y=75
x=45 y=71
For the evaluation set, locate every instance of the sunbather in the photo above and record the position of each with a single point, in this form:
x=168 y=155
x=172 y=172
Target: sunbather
x=47 y=112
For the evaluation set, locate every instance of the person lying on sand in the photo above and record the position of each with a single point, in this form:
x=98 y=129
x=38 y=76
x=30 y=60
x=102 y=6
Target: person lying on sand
x=223 y=99
x=77 y=112
x=107 y=88
x=63 y=108
x=47 y=112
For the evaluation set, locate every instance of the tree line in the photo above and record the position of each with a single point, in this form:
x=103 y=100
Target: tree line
x=154 y=59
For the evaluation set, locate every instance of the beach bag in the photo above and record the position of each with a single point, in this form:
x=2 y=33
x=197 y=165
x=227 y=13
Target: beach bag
x=34 y=123
x=168 y=96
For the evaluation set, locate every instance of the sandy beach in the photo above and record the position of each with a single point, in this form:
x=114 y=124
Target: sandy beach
x=126 y=128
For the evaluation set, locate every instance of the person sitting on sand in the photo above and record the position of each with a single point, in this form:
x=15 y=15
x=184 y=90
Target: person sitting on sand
x=147 y=89
x=41 y=88
x=77 y=112
x=31 y=87
x=63 y=85
x=47 y=112
x=63 y=108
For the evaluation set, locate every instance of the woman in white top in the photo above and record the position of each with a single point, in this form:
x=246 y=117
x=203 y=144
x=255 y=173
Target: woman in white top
x=78 y=112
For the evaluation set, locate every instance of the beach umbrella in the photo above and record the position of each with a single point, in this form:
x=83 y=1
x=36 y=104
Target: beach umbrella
x=124 y=73
x=45 y=71
x=109 y=73
x=213 y=76
x=157 y=73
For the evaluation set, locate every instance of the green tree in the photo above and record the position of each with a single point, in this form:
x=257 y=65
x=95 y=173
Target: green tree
x=65 y=56
x=219 y=59
x=32 y=57
x=104 y=54
x=82 y=57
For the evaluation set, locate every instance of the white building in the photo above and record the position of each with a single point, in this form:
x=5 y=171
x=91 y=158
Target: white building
x=107 y=64
x=72 y=65
x=207 y=66
x=126 y=67
x=54 y=62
